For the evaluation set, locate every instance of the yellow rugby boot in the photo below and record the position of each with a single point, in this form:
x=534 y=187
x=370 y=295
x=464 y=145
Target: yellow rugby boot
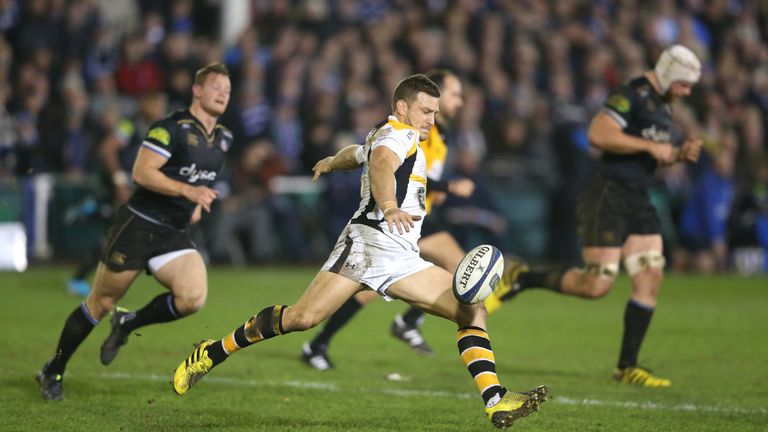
x=516 y=405
x=639 y=376
x=193 y=369
x=507 y=287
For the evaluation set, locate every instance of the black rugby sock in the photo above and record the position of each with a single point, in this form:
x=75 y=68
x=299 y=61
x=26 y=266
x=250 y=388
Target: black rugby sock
x=412 y=316
x=338 y=320
x=77 y=327
x=547 y=279
x=637 y=317
x=160 y=309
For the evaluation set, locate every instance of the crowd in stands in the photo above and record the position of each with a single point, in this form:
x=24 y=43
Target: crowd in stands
x=312 y=75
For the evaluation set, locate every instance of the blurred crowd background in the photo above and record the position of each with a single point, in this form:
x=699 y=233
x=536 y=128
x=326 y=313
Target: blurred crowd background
x=311 y=76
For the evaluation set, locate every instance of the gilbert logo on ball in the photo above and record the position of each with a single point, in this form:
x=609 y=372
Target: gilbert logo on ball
x=478 y=274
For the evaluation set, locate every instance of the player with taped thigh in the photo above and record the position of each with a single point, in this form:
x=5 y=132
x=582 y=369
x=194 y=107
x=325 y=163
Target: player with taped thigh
x=436 y=244
x=179 y=159
x=378 y=250
x=614 y=214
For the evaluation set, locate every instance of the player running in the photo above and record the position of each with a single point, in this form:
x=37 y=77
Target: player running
x=179 y=159
x=615 y=217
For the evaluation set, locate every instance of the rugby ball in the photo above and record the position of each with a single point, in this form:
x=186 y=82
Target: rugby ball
x=478 y=274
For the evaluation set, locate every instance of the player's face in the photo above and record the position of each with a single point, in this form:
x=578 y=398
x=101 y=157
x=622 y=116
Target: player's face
x=214 y=94
x=451 y=97
x=679 y=90
x=421 y=113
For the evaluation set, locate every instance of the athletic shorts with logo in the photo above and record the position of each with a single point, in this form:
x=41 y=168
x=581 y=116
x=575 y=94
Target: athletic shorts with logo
x=374 y=258
x=132 y=241
x=609 y=211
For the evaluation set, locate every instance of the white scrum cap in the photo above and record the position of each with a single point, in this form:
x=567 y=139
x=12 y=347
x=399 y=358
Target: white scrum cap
x=677 y=63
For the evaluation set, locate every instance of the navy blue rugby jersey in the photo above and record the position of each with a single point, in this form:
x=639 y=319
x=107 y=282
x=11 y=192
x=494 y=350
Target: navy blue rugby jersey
x=194 y=157
x=641 y=112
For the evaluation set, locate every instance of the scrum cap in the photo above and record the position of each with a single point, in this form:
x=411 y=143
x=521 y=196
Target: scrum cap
x=677 y=63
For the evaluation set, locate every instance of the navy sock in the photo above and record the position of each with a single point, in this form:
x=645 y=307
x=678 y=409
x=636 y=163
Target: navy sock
x=77 y=327
x=412 y=316
x=637 y=317
x=159 y=310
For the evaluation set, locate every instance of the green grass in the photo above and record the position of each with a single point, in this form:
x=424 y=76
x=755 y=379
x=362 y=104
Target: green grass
x=708 y=336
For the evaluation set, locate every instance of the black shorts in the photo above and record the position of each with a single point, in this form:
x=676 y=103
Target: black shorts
x=431 y=226
x=609 y=211
x=132 y=241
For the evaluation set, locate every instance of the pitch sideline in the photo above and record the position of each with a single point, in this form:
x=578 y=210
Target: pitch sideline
x=565 y=400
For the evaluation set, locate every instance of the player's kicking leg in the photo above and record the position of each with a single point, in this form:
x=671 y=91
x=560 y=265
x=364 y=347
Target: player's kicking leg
x=325 y=294
x=430 y=291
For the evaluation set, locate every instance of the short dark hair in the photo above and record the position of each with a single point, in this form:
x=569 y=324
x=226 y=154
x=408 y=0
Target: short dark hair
x=409 y=87
x=438 y=76
x=212 y=68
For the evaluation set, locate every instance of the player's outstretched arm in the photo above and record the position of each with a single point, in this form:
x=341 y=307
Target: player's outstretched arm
x=606 y=134
x=146 y=172
x=346 y=159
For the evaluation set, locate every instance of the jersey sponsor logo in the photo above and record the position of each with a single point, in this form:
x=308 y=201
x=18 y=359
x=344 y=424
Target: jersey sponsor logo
x=654 y=134
x=619 y=103
x=193 y=174
x=224 y=144
x=410 y=135
x=160 y=135
x=422 y=195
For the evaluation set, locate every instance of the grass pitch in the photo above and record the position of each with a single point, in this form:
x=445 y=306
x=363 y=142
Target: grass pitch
x=708 y=335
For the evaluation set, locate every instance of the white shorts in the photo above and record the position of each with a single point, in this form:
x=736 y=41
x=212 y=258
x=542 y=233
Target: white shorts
x=370 y=257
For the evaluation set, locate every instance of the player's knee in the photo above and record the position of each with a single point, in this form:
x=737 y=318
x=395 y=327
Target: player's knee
x=598 y=278
x=648 y=263
x=190 y=300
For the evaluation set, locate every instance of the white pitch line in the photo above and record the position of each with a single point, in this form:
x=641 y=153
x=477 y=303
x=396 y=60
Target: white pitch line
x=565 y=400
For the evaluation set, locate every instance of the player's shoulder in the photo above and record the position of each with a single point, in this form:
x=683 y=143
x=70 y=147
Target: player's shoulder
x=167 y=123
x=638 y=87
x=398 y=131
x=624 y=98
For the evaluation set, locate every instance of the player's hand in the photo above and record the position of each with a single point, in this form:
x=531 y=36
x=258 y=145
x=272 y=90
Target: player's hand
x=690 y=150
x=201 y=195
x=463 y=187
x=399 y=219
x=323 y=166
x=664 y=153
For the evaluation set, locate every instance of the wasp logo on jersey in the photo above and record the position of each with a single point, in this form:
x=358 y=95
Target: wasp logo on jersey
x=422 y=194
x=195 y=174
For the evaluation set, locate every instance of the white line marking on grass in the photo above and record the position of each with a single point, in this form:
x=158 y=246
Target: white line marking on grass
x=316 y=385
